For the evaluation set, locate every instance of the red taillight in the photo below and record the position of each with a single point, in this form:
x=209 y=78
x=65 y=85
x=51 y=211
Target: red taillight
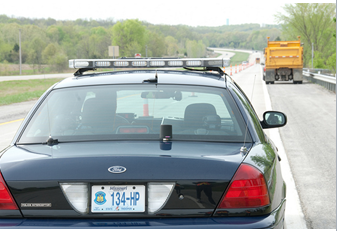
x=6 y=199
x=248 y=189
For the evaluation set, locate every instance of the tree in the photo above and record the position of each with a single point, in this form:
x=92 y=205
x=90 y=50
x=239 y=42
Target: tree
x=16 y=47
x=318 y=60
x=35 y=52
x=313 y=22
x=195 y=49
x=278 y=38
x=172 y=48
x=129 y=35
x=156 y=44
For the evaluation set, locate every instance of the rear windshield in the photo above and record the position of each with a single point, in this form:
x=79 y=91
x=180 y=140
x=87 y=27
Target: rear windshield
x=136 y=112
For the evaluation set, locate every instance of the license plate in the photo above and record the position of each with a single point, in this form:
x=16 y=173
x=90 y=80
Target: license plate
x=117 y=198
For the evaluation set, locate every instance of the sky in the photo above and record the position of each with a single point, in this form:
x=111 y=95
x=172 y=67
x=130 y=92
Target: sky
x=169 y=12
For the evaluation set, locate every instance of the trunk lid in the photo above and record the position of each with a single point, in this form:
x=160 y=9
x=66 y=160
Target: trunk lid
x=200 y=173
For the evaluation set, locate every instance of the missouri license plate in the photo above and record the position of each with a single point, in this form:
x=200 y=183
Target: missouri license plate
x=117 y=198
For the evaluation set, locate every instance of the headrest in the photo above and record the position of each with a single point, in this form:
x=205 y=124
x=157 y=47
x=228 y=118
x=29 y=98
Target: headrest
x=97 y=111
x=194 y=113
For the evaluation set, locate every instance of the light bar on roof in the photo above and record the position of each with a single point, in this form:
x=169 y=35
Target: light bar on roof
x=139 y=64
x=175 y=63
x=121 y=64
x=157 y=63
x=146 y=63
x=194 y=63
x=102 y=64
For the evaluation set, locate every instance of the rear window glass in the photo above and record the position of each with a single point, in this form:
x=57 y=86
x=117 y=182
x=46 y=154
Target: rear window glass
x=136 y=112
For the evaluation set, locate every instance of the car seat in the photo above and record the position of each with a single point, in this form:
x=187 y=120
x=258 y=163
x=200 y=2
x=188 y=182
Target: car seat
x=197 y=114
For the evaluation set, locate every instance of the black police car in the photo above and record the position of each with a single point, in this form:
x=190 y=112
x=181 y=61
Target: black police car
x=145 y=148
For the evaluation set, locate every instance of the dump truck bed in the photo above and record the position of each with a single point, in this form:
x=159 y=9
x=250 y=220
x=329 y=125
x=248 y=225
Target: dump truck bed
x=284 y=54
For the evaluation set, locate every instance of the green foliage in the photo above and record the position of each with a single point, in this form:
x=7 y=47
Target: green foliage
x=172 y=48
x=313 y=22
x=195 y=49
x=331 y=63
x=35 y=52
x=52 y=42
x=16 y=48
x=318 y=60
x=54 y=56
x=156 y=44
x=278 y=38
x=239 y=57
x=129 y=35
x=334 y=33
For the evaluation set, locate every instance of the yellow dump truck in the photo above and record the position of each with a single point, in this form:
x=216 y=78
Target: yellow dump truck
x=284 y=61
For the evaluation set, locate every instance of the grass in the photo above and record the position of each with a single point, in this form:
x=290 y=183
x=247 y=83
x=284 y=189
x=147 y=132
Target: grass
x=239 y=57
x=24 y=90
x=28 y=72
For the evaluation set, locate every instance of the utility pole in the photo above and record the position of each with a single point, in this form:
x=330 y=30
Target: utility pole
x=20 y=51
x=312 y=55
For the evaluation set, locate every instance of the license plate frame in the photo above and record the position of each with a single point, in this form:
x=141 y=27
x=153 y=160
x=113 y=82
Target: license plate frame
x=118 y=198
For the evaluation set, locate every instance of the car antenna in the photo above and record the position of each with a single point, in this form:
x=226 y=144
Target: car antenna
x=243 y=149
x=155 y=80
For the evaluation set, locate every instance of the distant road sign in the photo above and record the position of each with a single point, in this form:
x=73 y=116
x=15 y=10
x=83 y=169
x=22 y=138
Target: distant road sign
x=114 y=51
x=138 y=55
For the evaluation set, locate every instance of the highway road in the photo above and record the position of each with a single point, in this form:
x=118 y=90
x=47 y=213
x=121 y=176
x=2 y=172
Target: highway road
x=308 y=141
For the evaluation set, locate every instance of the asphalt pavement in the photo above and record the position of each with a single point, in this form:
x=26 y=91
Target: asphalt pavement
x=310 y=142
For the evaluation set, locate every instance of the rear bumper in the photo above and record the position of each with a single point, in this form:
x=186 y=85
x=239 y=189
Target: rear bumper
x=274 y=220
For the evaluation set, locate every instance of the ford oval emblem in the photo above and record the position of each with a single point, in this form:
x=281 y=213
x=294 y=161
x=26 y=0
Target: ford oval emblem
x=117 y=169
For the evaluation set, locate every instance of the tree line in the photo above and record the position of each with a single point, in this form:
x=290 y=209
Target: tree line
x=316 y=24
x=53 y=42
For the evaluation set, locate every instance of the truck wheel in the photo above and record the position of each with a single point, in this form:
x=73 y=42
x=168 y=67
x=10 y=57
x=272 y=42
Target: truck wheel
x=272 y=82
x=300 y=82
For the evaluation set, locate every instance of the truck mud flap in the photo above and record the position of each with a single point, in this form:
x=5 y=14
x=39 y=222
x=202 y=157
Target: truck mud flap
x=298 y=75
x=270 y=76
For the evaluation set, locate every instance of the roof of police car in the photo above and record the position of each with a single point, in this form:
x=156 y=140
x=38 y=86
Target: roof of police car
x=138 y=76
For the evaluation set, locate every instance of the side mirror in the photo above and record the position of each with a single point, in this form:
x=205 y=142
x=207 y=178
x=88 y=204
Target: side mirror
x=273 y=119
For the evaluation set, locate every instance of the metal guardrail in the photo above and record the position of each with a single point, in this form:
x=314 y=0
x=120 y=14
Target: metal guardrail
x=319 y=71
x=326 y=81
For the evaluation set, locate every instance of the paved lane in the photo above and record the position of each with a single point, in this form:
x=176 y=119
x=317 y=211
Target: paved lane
x=310 y=142
x=11 y=117
x=7 y=131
